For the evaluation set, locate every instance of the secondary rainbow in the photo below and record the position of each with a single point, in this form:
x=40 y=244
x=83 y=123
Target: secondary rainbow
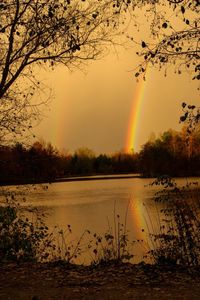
x=134 y=125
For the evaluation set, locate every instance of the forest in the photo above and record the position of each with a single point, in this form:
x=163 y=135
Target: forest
x=173 y=153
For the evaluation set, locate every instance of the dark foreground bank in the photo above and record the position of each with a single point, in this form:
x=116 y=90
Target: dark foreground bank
x=122 y=281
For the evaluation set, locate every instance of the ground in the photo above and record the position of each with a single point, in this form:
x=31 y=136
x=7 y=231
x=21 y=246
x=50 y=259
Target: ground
x=34 y=281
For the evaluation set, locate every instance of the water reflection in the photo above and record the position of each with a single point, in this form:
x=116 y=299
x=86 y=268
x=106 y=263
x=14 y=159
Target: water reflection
x=94 y=204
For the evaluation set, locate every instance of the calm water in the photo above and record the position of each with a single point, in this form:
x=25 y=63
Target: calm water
x=93 y=204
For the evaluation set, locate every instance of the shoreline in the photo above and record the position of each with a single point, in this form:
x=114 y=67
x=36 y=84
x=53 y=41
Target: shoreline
x=72 y=178
x=85 y=178
x=98 y=177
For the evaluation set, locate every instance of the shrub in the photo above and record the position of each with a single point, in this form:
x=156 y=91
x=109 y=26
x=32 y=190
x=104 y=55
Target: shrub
x=20 y=238
x=113 y=246
x=178 y=241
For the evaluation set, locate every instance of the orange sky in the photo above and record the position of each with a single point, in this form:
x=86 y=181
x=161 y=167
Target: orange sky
x=92 y=108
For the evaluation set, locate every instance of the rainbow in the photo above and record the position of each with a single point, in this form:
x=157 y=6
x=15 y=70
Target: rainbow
x=138 y=212
x=141 y=228
x=131 y=143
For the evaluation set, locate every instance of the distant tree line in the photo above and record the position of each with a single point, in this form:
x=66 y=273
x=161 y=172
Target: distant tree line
x=173 y=153
x=37 y=163
x=42 y=162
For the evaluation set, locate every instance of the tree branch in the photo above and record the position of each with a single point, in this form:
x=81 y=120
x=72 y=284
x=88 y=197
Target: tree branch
x=10 y=49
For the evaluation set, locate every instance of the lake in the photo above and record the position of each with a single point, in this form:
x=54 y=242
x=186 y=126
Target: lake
x=95 y=204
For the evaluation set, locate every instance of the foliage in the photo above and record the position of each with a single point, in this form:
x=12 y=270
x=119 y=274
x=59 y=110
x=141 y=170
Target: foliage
x=41 y=162
x=21 y=165
x=173 y=153
x=24 y=236
x=178 y=239
x=66 y=248
x=117 y=163
x=175 y=33
x=21 y=238
x=45 y=33
x=191 y=116
x=113 y=246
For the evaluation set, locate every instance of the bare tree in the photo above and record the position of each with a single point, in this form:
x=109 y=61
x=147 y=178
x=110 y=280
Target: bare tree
x=45 y=33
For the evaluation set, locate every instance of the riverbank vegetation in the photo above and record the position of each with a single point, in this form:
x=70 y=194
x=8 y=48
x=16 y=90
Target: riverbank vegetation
x=172 y=153
x=175 y=240
x=24 y=236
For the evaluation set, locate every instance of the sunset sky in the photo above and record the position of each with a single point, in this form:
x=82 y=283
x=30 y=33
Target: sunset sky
x=95 y=107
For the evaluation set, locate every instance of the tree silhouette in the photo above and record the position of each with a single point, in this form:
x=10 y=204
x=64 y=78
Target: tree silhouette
x=44 y=33
x=173 y=153
x=175 y=29
x=175 y=41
